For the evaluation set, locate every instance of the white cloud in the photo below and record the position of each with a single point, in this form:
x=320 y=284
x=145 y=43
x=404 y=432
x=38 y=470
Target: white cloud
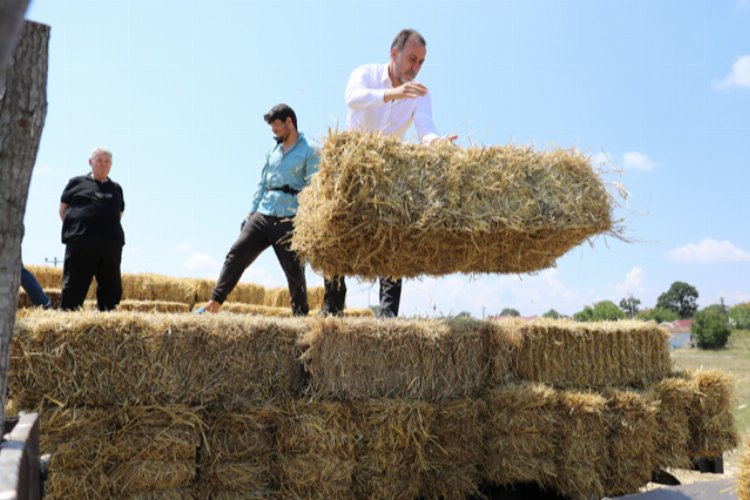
x=197 y=261
x=708 y=251
x=633 y=160
x=739 y=77
x=633 y=283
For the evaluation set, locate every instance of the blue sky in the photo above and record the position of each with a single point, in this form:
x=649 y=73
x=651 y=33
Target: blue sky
x=176 y=89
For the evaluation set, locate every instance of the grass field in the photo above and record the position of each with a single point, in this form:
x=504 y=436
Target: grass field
x=734 y=359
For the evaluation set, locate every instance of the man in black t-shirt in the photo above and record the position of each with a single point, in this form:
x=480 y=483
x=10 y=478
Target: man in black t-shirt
x=91 y=207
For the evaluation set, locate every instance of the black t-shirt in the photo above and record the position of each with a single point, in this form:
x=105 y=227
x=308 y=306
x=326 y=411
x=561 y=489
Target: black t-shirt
x=93 y=209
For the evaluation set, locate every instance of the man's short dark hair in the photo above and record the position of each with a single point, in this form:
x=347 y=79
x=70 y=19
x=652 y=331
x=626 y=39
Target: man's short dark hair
x=281 y=112
x=404 y=37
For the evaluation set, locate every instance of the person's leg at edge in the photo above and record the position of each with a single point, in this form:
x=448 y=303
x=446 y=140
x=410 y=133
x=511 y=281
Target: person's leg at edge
x=79 y=267
x=108 y=276
x=390 y=297
x=249 y=245
x=334 y=296
x=34 y=289
x=290 y=263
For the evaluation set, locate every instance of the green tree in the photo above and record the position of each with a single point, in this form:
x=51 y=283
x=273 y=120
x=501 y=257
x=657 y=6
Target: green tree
x=552 y=314
x=680 y=298
x=630 y=306
x=463 y=315
x=657 y=314
x=509 y=311
x=711 y=328
x=605 y=310
x=740 y=316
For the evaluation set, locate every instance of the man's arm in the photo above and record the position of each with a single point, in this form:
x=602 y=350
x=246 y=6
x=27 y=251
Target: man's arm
x=311 y=164
x=261 y=189
x=63 y=209
x=359 y=91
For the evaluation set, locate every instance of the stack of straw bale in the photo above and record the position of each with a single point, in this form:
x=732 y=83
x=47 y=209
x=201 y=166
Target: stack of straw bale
x=226 y=406
x=53 y=294
x=415 y=359
x=743 y=478
x=380 y=207
x=566 y=353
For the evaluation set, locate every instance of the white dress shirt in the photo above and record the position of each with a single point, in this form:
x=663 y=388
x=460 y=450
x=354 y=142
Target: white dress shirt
x=364 y=96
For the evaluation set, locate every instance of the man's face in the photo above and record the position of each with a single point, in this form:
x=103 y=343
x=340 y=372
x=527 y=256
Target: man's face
x=408 y=62
x=281 y=129
x=101 y=164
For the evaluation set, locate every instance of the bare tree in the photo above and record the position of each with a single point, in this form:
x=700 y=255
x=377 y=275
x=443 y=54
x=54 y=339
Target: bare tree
x=23 y=107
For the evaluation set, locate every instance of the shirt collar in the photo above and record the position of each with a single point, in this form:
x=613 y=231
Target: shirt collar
x=384 y=78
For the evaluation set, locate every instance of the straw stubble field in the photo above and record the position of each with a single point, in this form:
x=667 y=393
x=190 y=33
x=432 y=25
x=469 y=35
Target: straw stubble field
x=148 y=404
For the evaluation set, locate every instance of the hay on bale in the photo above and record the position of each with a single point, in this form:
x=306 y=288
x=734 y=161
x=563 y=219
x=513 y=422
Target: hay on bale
x=566 y=353
x=253 y=309
x=390 y=451
x=91 y=483
x=455 y=450
x=414 y=359
x=106 y=359
x=520 y=437
x=277 y=297
x=581 y=445
x=253 y=479
x=673 y=397
x=78 y=439
x=157 y=433
x=244 y=293
x=710 y=417
x=743 y=476
x=315 y=297
x=315 y=443
x=631 y=424
x=379 y=207
x=168 y=494
x=161 y=306
x=145 y=476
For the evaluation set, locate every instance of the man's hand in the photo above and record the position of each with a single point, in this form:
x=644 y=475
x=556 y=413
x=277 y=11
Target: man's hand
x=408 y=90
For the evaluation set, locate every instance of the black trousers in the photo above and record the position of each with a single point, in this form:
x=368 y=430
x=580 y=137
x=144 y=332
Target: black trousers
x=86 y=258
x=335 y=296
x=259 y=232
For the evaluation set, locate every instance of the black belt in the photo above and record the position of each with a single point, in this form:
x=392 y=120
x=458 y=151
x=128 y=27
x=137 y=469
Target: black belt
x=286 y=189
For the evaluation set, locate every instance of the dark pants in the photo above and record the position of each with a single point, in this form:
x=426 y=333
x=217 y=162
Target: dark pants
x=34 y=289
x=259 y=232
x=335 y=296
x=86 y=258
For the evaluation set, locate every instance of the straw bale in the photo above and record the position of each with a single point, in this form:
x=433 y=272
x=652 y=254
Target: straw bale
x=243 y=436
x=673 y=397
x=244 y=293
x=743 y=476
x=315 y=297
x=567 y=353
x=211 y=494
x=105 y=359
x=276 y=297
x=412 y=359
x=443 y=209
x=52 y=293
x=144 y=306
x=631 y=422
x=582 y=445
x=254 y=479
x=157 y=433
x=521 y=434
x=392 y=435
x=147 y=286
x=167 y=494
x=710 y=417
x=77 y=438
x=316 y=443
x=146 y=476
x=455 y=450
x=11 y=408
x=503 y=346
x=90 y=483
x=48 y=277
x=254 y=309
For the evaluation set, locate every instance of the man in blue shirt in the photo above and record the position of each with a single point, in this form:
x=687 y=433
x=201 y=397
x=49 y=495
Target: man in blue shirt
x=288 y=169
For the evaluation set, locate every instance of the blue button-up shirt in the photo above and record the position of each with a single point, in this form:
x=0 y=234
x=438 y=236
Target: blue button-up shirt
x=294 y=169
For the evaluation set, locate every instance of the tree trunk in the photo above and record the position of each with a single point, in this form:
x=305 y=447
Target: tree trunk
x=11 y=22
x=22 y=112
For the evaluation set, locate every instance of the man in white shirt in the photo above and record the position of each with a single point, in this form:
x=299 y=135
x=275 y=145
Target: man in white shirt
x=385 y=98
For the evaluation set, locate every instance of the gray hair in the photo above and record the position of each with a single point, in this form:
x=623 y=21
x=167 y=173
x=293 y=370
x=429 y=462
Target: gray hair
x=404 y=36
x=100 y=151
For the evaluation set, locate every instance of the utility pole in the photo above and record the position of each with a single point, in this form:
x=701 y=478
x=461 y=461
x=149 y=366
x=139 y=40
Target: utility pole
x=53 y=260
